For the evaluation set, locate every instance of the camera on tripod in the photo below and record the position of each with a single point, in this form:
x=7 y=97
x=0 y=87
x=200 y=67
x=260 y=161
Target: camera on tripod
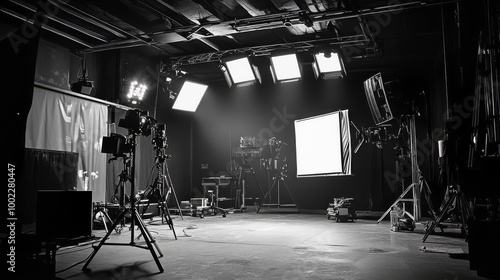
x=137 y=122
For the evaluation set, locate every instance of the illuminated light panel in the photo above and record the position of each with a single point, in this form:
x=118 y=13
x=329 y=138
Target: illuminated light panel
x=285 y=67
x=323 y=145
x=136 y=92
x=189 y=96
x=327 y=67
x=328 y=64
x=240 y=70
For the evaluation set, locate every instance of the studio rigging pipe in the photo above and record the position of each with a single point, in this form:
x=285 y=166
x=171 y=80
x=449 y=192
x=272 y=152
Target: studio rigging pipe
x=444 y=63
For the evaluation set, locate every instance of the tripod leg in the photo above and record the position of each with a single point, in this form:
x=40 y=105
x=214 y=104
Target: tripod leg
x=239 y=201
x=169 y=220
x=289 y=193
x=147 y=235
x=266 y=195
x=162 y=203
x=149 y=240
x=105 y=217
x=441 y=215
x=120 y=217
x=424 y=187
x=257 y=181
x=171 y=187
x=177 y=202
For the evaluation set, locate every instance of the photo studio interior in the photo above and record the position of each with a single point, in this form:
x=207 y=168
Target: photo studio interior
x=120 y=112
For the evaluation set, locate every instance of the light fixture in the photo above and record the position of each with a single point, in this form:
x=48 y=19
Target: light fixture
x=136 y=92
x=83 y=85
x=285 y=67
x=328 y=65
x=187 y=93
x=377 y=99
x=238 y=71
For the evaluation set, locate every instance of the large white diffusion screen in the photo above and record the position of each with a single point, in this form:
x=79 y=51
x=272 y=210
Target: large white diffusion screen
x=323 y=145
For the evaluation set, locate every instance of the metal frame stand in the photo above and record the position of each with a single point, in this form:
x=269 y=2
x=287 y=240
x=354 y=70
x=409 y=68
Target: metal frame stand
x=417 y=179
x=423 y=187
x=162 y=198
x=214 y=203
x=280 y=178
x=136 y=218
x=458 y=197
x=242 y=169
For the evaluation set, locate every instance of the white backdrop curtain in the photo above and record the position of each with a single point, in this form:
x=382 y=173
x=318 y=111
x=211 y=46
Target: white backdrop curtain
x=67 y=123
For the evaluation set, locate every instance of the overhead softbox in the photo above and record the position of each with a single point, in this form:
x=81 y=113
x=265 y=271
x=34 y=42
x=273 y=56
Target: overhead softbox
x=323 y=145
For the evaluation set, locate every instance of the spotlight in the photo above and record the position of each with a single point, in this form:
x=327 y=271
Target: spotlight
x=285 y=67
x=239 y=72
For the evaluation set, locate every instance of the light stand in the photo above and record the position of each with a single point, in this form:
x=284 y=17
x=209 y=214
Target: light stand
x=135 y=218
x=278 y=179
x=418 y=184
x=454 y=197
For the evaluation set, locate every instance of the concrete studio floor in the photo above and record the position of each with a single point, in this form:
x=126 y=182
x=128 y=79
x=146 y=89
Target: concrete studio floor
x=270 y=245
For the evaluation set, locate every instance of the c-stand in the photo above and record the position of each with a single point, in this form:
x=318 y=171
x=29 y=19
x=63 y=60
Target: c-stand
x=135 y=218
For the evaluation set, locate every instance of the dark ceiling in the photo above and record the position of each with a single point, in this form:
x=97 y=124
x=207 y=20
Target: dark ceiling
x=369 y=34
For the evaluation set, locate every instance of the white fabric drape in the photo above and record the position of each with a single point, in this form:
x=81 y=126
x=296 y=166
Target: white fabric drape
x=66 y=123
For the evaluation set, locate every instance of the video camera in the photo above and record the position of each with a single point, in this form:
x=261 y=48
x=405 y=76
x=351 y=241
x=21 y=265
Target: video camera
x=137 y=122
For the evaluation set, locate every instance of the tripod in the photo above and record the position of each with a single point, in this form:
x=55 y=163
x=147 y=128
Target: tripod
x=277 y=181
x=240 y=193
x=458 y=197
x=161 y=190
x=135 y=218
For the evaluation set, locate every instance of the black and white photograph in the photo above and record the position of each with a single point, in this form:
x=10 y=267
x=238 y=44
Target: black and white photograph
x=245 y=139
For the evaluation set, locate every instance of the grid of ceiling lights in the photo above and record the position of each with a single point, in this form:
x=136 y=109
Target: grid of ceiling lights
x=239 y=71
